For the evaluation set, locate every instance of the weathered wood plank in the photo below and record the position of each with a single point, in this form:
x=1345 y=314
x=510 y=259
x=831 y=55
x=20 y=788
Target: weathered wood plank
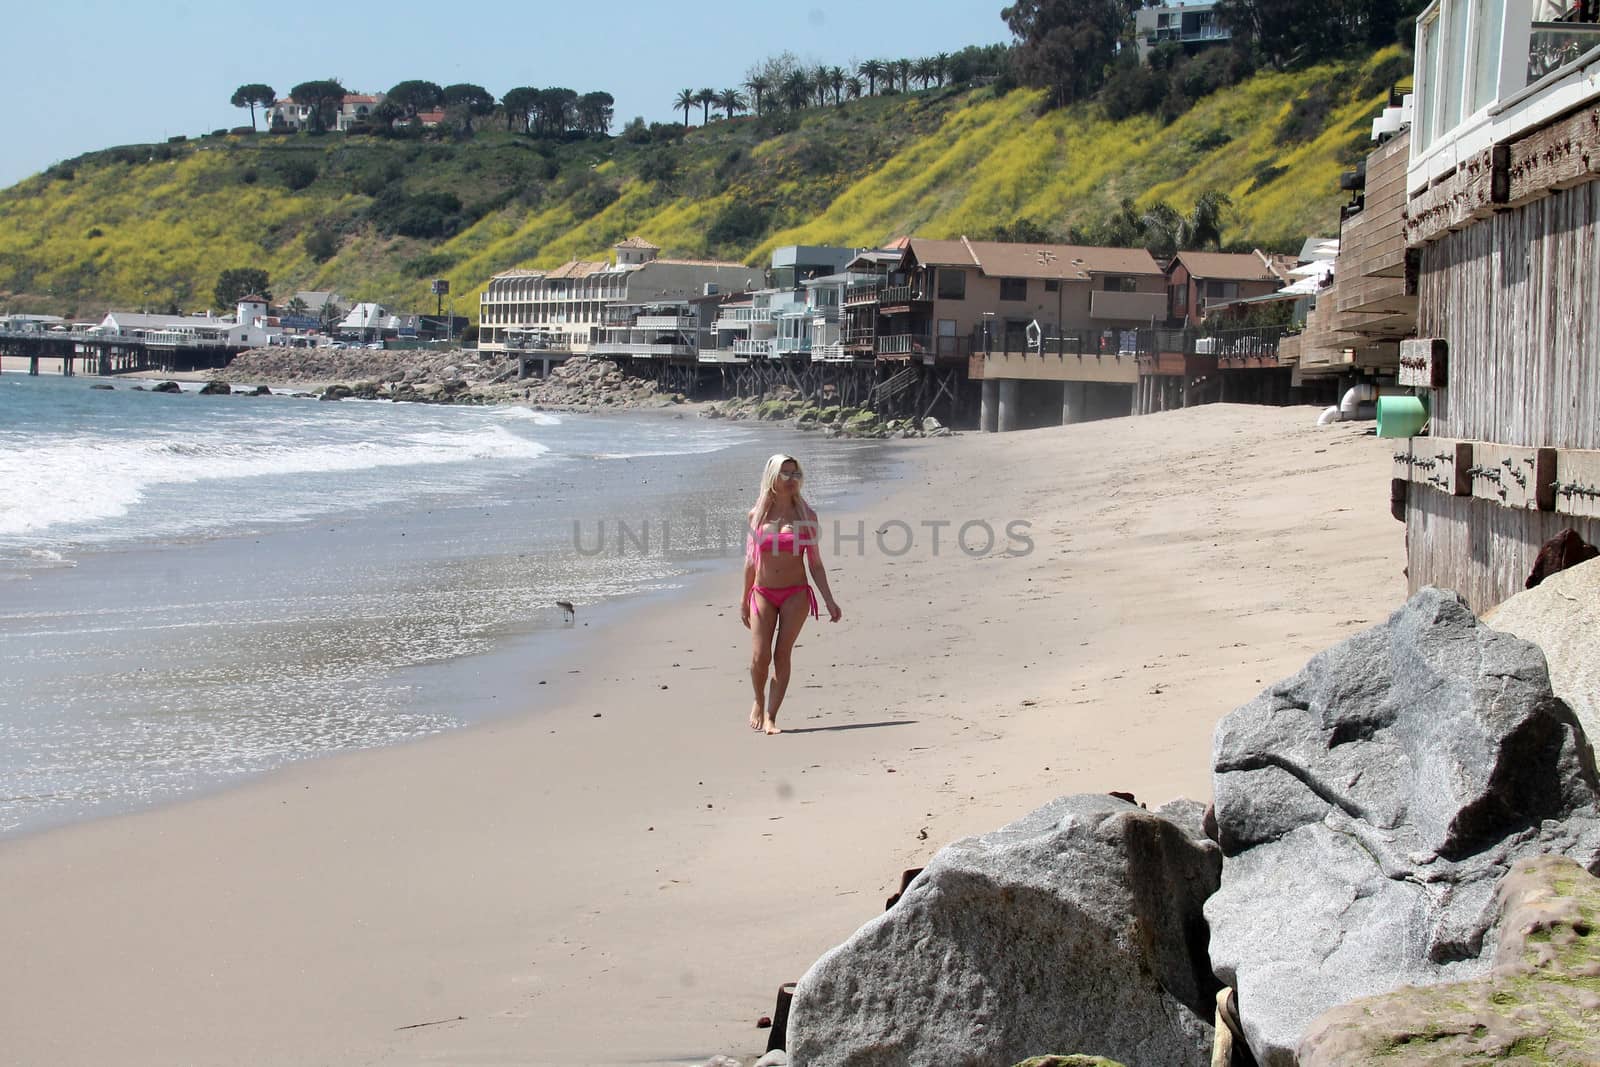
x=1577 y=485
x=1439 y=463
x=1456 y=201
x=1562 y=154
x=1423 y=362
x=1504 y=474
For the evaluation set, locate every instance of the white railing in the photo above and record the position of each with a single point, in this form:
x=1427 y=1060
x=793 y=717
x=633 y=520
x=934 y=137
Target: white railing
x=829 y=353
x=665 y=322
x=620 y=348
x=746 y=349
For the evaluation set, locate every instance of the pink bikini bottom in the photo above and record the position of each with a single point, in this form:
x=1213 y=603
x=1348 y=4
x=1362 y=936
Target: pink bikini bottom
x=776 y=597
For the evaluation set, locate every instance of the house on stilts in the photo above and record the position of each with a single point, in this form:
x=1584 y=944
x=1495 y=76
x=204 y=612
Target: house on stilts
x=1503 y=225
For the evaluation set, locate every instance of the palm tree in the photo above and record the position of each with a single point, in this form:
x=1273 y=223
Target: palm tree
x=1203 y=227
x=759 y=85
x=731 y=101
x=922 y=70
x=685 y=101
x=836 y=80
x=941 y=67
x=705 y=98
x=796 y=89
x=871 y=70
x=295 y=307
x=854 y=87
x=902 y=70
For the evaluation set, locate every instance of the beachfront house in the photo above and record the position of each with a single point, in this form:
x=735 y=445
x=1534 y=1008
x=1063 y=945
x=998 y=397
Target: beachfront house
x=1502 y=188
x=564 y=311
x=1201 y=282
x=1046 y=328
x=249 y=327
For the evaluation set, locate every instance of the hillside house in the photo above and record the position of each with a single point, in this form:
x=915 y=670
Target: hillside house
x=1189 y=26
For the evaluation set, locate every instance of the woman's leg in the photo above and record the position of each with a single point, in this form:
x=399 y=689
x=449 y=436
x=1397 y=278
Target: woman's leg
x=791 y=617
x=763 y=621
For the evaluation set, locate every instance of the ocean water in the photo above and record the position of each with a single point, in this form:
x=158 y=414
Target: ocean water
x=194 y=588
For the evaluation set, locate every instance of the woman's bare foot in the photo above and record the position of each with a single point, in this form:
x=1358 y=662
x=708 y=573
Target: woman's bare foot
x=772 y=726
x=758 y=715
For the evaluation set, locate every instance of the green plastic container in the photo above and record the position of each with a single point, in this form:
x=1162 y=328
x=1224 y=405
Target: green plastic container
x=1401 y=416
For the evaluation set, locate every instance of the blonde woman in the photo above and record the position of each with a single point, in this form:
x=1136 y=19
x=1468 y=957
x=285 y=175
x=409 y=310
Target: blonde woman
x=781 y=546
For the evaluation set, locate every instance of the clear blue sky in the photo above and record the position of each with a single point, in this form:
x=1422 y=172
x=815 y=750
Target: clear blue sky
x=89 y=74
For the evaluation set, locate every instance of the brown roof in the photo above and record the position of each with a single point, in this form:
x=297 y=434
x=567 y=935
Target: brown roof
x=578 y=268
x=638 y=242
x=1228 y=266
x=1004 y=259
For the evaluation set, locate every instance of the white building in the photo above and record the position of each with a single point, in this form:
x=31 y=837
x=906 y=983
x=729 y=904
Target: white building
x=248 y=327
x=565 y=309
x=354 y=108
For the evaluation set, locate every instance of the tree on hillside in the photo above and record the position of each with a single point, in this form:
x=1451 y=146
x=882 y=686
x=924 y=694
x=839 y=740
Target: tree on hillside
x=872 y=70
x=595 y=112
x=322 y=98
x=685 y=101
x=519 y=105
x=759 y=85
x=415 y=96
x=296 y=307
x=1064 y=46
x=251 y=95
x=240 y=281
x=902 y=71
x=558 y=107
x=731 y=101
x=1286 y=33
x=705 y=98
x=941 y=67
x=474 y=101
x=796 y=90
x=386 y=114
x=836 y=79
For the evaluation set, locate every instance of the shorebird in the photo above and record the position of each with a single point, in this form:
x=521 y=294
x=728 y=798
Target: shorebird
x=568 y=610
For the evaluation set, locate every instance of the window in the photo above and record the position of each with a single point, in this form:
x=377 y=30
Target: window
x=1120 y=283
x=1016 y=336
x=1222 y=290
x=952 y=284
x=1013 y=288
x=1052 y=285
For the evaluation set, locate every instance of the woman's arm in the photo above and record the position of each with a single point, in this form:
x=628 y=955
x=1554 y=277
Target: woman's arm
x=749 y=569
x=819 y=573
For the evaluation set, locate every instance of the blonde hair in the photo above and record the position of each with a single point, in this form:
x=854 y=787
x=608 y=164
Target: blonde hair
x=769 y=475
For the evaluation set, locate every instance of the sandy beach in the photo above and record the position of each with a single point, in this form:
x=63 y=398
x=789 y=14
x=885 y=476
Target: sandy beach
x=627 y=876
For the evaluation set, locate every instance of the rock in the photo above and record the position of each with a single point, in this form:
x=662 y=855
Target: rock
x=930 y=424
x=260 y=390
x=102 y=385
x=1368 y=806
x=1562 y=616
x=336 y=392
x=364 y=390
x=1069 y=1061
x=216 y=389
x=167 y=387
x=776 y=1058
x=1541 y=998
x=138 y=388
x=722 y=1061
x=1078 y=926
x=450 y=372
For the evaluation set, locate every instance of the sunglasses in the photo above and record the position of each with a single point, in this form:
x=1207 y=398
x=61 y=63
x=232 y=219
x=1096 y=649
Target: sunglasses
x=795 y=477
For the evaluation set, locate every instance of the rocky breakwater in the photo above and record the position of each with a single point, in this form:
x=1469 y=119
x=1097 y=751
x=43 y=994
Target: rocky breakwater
x=1076 y=929
x=452 y=376
x=1397 y=867
x=833 y=420
x=1369 y=806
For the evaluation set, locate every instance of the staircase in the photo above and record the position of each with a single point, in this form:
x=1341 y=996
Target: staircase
x=892 y=387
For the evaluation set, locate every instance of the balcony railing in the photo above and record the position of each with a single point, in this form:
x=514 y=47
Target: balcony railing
x=830 y=353
x=665 y=322
x=628 y=348
x=864 y=293
x=900 y=294
x=1260 y=342
x=790 y=346
x=905 y=344
x=748 y=349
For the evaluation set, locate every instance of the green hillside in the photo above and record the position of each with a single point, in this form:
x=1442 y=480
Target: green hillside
x=156 y=224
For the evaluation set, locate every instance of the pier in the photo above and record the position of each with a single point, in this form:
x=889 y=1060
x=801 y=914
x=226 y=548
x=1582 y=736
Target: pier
x=103 y=353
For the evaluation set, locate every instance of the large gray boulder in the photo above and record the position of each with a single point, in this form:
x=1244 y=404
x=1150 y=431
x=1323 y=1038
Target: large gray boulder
x=1540 y=1003
x=1369 y=805
x=1562 y=616
x=1077 y=929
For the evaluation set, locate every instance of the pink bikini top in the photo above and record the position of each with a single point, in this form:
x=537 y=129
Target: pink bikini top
x=784 y=542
